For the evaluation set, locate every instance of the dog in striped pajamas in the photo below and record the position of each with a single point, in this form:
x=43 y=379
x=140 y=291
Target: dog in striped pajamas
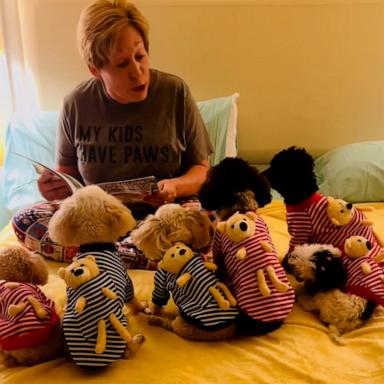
x=30 y=327
x=315 y=218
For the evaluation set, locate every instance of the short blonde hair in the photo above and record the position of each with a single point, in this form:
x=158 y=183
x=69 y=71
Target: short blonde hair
x=100 y=24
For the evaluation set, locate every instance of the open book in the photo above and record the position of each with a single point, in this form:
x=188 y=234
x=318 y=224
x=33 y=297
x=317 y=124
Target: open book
x=128 y=191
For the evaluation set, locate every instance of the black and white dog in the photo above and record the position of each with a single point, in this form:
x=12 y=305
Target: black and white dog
x=320 y=269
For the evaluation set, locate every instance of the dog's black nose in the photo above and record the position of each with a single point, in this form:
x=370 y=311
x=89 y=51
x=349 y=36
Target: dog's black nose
x=243 y=226
x=182 y=252
x=349 y=205
x=77 y=271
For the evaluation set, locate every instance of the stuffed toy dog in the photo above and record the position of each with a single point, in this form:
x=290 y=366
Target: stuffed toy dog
x=98 y=286
x=234 y=185
x=172 y=223
x=323 y=279
x=30 y=328
x=243 y=244
x=207 y=307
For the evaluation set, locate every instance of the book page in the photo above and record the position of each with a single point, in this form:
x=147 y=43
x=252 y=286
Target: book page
x=133 y=190
x=72 y=183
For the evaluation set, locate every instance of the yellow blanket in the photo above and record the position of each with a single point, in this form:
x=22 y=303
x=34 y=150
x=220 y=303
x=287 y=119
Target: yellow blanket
x=299 y=352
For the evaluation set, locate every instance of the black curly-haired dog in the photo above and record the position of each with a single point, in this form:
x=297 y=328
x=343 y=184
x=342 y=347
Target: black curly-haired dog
x=291 y=173
x=234 y=185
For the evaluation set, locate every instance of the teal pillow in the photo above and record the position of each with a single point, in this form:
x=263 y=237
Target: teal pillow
x=34 y=135
x=220 y=117
x=353 y=172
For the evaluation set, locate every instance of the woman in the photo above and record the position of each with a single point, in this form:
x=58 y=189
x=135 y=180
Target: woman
x=127 y=121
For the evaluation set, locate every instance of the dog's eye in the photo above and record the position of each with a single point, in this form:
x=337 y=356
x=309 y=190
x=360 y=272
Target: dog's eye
x=233 y=226
x=342 y=211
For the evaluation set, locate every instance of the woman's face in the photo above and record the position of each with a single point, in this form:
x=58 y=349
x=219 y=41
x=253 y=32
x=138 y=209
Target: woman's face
x=126 y=75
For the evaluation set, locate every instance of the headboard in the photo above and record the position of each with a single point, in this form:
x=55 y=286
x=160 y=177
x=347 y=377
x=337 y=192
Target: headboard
x=308 y=72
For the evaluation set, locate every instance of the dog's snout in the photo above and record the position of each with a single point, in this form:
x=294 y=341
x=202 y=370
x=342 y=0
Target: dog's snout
x=77 y=271
x=243 y=226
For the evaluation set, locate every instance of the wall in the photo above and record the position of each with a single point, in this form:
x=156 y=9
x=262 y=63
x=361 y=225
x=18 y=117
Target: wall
x=309 y=73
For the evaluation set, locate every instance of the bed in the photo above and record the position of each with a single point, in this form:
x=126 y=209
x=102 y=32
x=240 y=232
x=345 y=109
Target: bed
x=284 y=100
x=301 y=351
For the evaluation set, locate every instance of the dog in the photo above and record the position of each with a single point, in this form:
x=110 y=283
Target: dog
x=320 y=271
x=172 y=223
x=30 y=322
x=242 y=246
x=95 y=220
x=232 y=186
x=309 y=217
x=175 y=236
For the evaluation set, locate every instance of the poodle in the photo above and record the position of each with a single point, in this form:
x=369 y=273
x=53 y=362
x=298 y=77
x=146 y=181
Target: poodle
x=310 y=218
x=30 y=327
x=172 y=223
x=174 y=236
x=234 y=185
x=323 y=277
x=243 y=248
x=95 y=220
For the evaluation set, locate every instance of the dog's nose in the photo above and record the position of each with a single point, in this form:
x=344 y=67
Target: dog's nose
x=182 y=252
x=78 y=271
x=349 y=206
x=243 y=226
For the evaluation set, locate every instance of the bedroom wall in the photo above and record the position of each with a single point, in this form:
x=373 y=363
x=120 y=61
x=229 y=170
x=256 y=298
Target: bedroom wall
x=309 y=73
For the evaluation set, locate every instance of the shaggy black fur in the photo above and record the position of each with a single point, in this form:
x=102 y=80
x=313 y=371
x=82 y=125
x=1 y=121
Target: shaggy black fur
x=228 y=180
x=291 y=173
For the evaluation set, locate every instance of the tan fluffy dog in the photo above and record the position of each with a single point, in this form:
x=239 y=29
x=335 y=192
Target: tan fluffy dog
x=172 y=223
x=23 y=306
x=95 y=220
x=155 y=237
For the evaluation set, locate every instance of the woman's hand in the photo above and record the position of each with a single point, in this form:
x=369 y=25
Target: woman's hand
x=167 y=193
x=52 y=187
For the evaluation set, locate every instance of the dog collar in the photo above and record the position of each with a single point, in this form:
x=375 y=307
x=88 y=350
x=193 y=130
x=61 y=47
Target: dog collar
x=305 y=204
x=97 y=247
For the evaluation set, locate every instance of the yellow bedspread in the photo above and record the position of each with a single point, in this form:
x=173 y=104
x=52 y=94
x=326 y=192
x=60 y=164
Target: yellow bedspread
x=299 y=352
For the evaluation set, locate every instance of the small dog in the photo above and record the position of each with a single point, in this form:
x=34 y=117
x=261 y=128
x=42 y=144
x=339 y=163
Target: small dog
x=323 y=277
x=243 y=248
x=309 y=217
x=98 y=284
x=30 y=327
x=234 y=185
x=174 y=235
x=172 y=223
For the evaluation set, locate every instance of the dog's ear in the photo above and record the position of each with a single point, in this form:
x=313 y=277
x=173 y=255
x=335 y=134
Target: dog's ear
x=118 y=218
x=330 y=272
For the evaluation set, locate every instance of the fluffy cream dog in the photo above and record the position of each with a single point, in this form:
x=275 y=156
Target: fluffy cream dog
x=170 y=224
x=95 y=220
x=320 y=269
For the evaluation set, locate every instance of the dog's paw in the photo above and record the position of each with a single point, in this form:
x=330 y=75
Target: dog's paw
x=133 y=346
x=155 y=321
x=138 y=338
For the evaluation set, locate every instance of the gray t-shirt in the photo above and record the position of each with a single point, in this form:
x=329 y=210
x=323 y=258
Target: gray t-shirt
x=163 y=135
